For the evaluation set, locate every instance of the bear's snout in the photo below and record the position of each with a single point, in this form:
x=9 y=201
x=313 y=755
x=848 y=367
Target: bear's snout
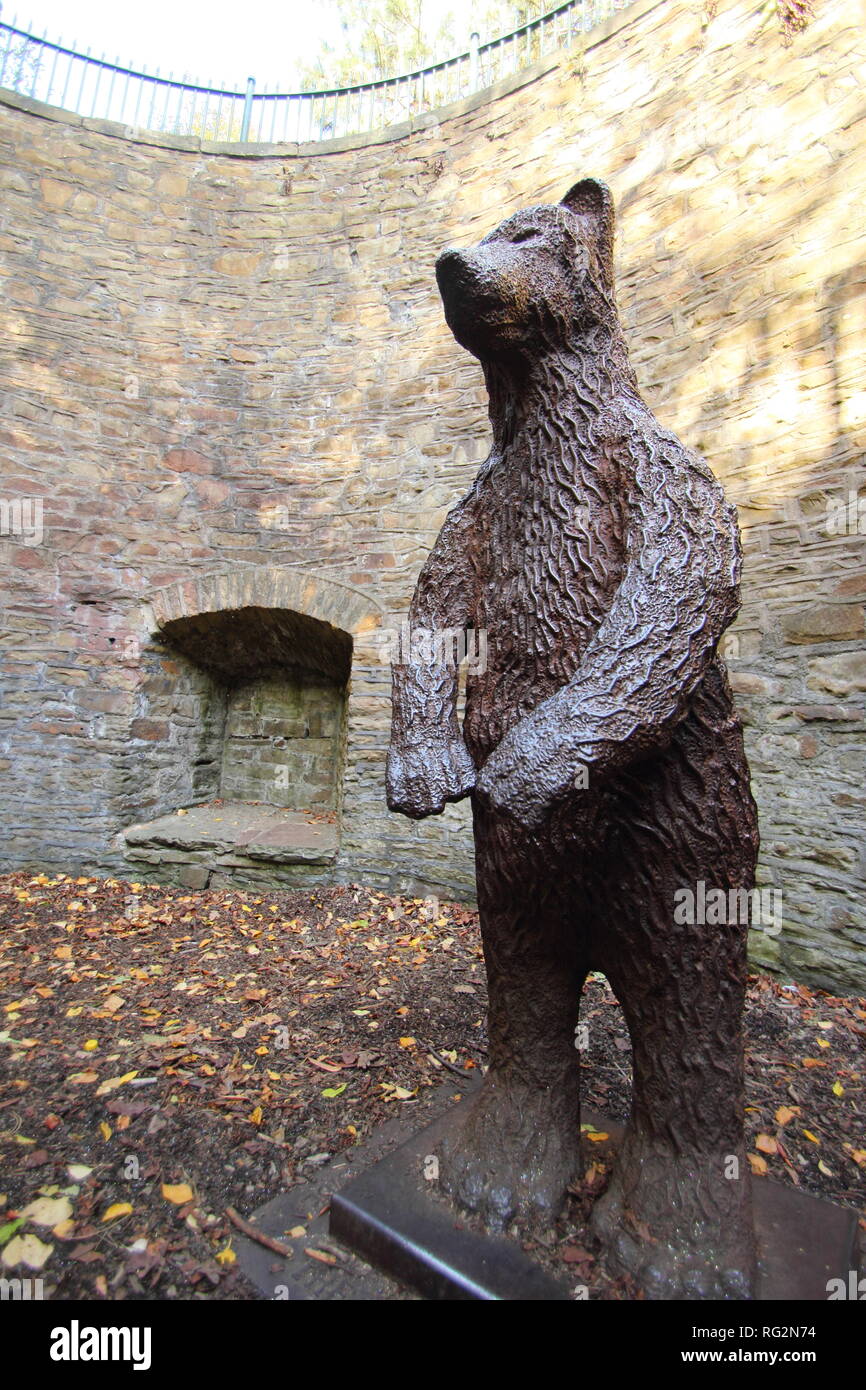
x=453 y=270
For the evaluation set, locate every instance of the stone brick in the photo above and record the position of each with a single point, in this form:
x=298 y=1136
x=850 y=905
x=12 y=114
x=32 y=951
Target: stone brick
x=840 y=675
x=824 y=623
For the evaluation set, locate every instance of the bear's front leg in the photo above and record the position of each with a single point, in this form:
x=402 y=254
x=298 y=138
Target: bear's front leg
x=512 y=1155
x=428 y=762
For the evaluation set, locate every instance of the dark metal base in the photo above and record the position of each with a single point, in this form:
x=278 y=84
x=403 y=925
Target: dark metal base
x=391 y=1216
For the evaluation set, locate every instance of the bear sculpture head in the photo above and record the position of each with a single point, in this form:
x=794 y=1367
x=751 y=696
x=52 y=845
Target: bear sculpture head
x=539 y=282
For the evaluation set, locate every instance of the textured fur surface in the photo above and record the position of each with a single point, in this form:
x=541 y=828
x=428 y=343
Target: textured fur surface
x=602 y=753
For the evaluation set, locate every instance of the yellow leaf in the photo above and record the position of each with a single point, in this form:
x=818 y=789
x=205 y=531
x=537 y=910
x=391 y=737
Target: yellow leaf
x=785 y=1114
x=117 y=1209
x=91 y=1045
x=597 y=1136
x=403 y=1009
x=809 y=1135
x=838 y=1088
x=822 y=1042
x=255 y=1118
x=226 y=1256
x=766 y=1144
x=757 y=1164
x=261 y=1052
x=859 y=1157
x=105 y=1130
x=74 y=1011
x=297 y=1232
x=828 y=1172
x=408 y=1042
x=83 y=1078
x=178 y=1193
x=113 y=1082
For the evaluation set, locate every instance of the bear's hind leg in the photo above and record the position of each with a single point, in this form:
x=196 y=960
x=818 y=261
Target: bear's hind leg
x=513 y=1154
x=677 y=1214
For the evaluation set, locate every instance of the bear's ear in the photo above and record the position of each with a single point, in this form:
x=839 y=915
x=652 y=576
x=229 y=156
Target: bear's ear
x=591 y=202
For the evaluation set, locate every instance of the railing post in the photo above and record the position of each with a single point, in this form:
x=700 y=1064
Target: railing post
x=474 y=41
x=248 y=109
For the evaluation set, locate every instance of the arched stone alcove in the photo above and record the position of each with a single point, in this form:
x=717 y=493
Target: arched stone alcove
x=249 y=683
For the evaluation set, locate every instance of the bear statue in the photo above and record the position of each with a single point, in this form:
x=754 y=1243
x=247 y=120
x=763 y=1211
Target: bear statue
x=603 y=758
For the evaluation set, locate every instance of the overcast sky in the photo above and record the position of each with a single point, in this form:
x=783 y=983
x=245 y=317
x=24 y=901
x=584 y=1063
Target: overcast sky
x=214 y=41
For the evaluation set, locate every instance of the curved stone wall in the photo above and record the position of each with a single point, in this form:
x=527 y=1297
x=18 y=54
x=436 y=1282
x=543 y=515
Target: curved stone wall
x=232 y=360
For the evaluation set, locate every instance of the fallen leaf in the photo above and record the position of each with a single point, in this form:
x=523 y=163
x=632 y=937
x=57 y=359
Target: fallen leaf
x=785 y=1114
x=331 y=1092
x=226 y=1256
x=178 y=1193
x=112 y=1083
x=766 y=1144
x=8 y=1231
x=574 y=1254
x=26 y=1250
x=757 y=1164
x=813 y=1138
x=47 y=1211
x=117 y=1209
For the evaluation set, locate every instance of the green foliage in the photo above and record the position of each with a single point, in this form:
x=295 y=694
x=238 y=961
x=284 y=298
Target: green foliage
x=385 y=38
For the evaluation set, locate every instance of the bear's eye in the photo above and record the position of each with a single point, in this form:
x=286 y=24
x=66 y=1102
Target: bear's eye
x=526 y=235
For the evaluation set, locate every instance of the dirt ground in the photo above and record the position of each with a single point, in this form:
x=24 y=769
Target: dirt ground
x=170 y=1060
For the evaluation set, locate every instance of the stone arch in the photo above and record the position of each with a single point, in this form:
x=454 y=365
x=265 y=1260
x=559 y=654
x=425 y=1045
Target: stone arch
x=268 y=587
